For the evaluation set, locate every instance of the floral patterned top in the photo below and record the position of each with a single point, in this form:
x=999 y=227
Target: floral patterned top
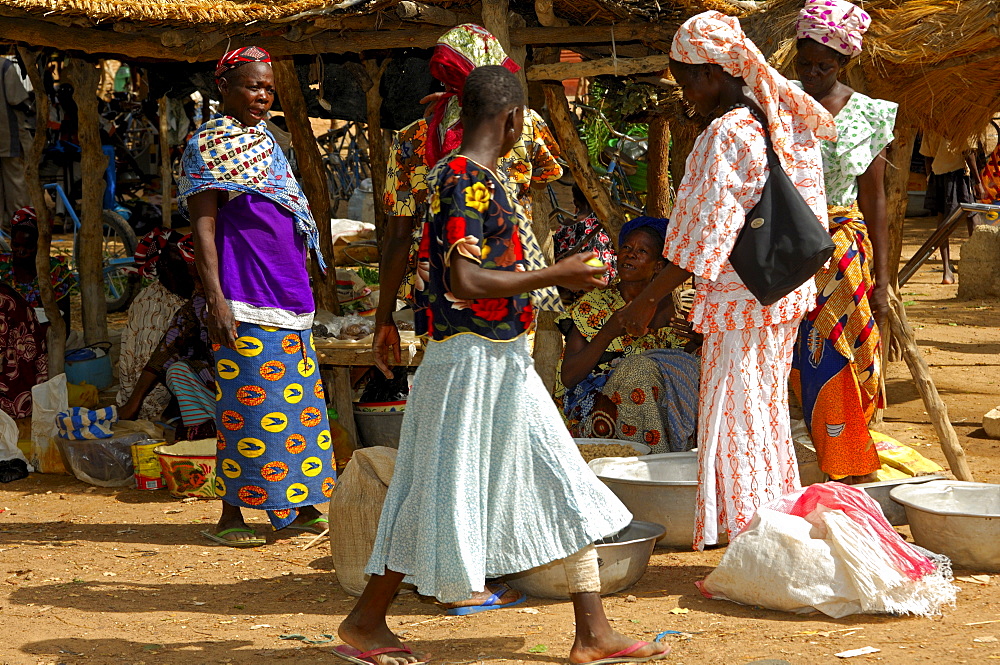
x=566 y=238
x=472 y=214
x=63 y=279
x=864 y=129
x=532 y=160
x=724 y=178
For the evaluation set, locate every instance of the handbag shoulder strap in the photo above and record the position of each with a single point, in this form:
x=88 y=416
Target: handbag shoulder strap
x=772 y=156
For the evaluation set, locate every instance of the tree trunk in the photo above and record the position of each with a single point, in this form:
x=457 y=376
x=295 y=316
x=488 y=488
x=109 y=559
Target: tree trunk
x=659 y=201
x=937 y=411
x=313 y=176
x=166 y=173
x=378 y=153
x=575 y=154
x=57 y=327
x=84 y=75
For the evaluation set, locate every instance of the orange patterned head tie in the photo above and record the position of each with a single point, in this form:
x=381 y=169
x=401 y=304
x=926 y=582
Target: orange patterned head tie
x=241 y=56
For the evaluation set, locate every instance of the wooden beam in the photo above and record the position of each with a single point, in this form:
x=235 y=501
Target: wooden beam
x=897 y=178
x=561 y=71
x=495 y=20
x=547 y=15
x=166 y=173
x=937 y=411
x=312 y=175
x=57 y=327
x=575 y=154
x=378 y=153
x=146 y=44
x=421 y=13
x=85 y=76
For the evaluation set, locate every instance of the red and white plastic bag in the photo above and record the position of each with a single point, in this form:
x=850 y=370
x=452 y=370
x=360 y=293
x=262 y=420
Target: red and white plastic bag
x=828 y=547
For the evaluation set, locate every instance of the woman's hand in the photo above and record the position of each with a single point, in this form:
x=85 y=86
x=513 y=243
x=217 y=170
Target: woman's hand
x=221 y=323
x=386 y=337
x=575 y=274
x=637 y=315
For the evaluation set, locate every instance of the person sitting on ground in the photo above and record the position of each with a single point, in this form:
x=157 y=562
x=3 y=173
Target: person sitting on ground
x=158 y=255
x=182 y=361
x=488 y=481
x=584 y=234
x=952 y=179
x=19 y=270
x=24 y=361
x=253 y=231
x=615 y=386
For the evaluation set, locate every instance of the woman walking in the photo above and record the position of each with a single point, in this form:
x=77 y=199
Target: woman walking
x=252 y=231
x=745 y=451
x=837 y=367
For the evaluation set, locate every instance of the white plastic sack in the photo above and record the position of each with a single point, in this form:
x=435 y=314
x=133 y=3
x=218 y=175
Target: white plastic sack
x=8 y=440
x=838 y=561
x=47 y=399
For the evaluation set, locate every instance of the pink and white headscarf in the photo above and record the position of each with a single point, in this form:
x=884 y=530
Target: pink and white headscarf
x=714 y=38
x=834 y=23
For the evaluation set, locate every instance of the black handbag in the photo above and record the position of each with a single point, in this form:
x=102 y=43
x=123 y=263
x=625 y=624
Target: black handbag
x=781 y=244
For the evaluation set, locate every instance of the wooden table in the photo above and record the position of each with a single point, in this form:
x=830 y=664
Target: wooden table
x=335 y=360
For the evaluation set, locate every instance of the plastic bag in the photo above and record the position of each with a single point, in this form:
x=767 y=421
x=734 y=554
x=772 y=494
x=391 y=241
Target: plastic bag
x=48 y=399
x=8 y=440
x=828 y=548
x=77 y=423
x=102 y=462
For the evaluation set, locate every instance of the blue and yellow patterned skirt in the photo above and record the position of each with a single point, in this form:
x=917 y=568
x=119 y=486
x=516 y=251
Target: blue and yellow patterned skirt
x=275 y=452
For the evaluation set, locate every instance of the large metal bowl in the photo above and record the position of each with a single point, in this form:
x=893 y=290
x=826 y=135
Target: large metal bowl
x=622 y=563
x=955 y=518
x=657 y=488
x=894 y=512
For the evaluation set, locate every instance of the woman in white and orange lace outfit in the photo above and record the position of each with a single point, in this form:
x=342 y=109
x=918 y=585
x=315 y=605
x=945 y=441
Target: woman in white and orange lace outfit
x=746 y=456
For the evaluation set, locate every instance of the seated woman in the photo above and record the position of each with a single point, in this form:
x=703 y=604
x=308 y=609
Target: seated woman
x=23 y=359
x=18 y=269
x=182 y=362
x=615 y=386
x=163 y=254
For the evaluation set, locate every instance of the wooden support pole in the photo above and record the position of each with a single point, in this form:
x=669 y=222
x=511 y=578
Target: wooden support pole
x=561 y=71
x=378 y=153
x=423 y=13
x=312 y=174
x=495 y=19
x=166 y=172
x=547 y=15
x=659 y=201
x=338 y=385
x=85 y=76
x=57 y=327
x=937 y=411
x=575 y=154
x=897 y=178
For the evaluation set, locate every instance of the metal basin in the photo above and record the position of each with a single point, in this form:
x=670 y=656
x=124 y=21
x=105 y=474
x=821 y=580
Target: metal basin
x=622 y=563
x=955 y=518
x=656 y=488
x=894 y=512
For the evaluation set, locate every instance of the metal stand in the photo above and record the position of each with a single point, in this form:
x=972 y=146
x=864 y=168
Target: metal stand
x=941 y=235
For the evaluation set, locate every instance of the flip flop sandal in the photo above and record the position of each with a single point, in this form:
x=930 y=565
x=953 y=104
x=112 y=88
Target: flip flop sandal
x=623 y=655
x=221 y=540
x=352 y=655
x=311 y=525
x=492 y=603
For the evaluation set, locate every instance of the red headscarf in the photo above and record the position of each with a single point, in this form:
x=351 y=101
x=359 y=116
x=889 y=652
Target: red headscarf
x=240 y=56
x=152 y=245
x=458 y=52
x=25 y=217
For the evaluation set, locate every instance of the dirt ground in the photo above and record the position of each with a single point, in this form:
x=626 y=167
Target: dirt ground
x=91 y=575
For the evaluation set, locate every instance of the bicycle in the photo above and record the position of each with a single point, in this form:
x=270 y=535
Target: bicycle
x=117 y=250
x=345 y=160
x=622 y=155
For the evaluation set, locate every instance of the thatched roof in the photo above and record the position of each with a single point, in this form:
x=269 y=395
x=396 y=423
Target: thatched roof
x=939 y=59
x=188 y=11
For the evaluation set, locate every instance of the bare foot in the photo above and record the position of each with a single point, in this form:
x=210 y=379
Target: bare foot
x=598 y=648
x=507 y=598
x=366 y=638
x=949 y=277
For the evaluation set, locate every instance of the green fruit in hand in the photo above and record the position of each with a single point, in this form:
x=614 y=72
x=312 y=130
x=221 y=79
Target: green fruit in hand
x=595 y=262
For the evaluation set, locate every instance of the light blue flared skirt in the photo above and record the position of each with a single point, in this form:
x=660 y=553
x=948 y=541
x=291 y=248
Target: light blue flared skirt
x=488 y=480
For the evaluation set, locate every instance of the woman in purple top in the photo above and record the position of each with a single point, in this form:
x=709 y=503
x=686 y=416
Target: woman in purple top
x=252 y=231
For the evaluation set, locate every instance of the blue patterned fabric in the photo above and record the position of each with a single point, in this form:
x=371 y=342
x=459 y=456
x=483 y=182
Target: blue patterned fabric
x=275 y=452
x=224 y=154
x=79 y=423
x=488 y=481
x=678 y=402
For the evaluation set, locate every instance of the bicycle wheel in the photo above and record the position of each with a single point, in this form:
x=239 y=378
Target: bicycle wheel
x=118 y=245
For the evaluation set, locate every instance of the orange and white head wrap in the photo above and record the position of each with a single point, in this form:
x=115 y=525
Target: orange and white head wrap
x=714 y=38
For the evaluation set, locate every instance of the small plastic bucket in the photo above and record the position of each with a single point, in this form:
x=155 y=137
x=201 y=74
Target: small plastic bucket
x=95 y=371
